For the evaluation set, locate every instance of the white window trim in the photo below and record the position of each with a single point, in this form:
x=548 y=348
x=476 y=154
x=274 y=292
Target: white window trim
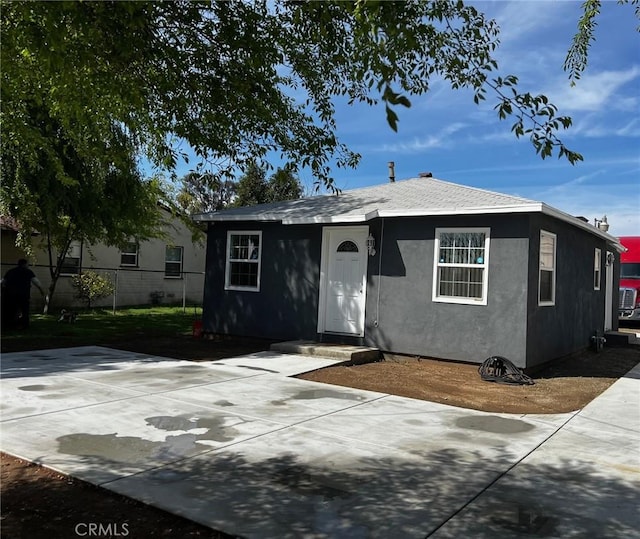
x=174 y=261
x=485 y=267
x=74 y=246
x=597 y=268
x=137 y=254
x=553 y=280
x=227 y=266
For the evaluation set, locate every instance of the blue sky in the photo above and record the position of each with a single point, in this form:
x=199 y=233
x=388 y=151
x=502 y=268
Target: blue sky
x=445 y=133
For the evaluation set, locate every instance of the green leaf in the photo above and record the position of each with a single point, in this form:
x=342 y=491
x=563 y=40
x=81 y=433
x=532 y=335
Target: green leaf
x=392 y=119
x=404 y=101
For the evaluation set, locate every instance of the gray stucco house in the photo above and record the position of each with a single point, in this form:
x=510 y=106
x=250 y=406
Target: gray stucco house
x=420 y=266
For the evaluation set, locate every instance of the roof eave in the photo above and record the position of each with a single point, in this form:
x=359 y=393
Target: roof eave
x=559 y=214
x=509 y=208
x=534 y=207
x=329 y=219
x=213 y=217
x=418 y=212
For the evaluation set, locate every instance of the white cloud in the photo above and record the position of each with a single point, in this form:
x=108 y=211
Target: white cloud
x=440 y=139
x=594 y=195
x=544 y=166
x=592 y=128
x=632 y=129
x=623 y=219
x=518 y=20
x=534 y=36
x=568 y=188
x=594 y=92
x=415 y=146
x=501 y=136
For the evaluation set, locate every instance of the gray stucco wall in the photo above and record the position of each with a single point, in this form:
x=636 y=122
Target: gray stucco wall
x=409 y=322
x=400 y=315
x=287 y=305
x=566 y=327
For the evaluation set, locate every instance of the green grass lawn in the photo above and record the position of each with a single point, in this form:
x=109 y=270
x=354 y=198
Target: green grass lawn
x=101 y=326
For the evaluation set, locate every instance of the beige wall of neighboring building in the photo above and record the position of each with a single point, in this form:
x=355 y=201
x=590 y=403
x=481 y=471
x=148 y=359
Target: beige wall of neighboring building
x=141 y=280
x=10 y=253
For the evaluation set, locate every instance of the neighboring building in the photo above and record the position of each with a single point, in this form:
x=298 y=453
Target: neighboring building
x=154 y=271
x=9 y=229
x=420 y=266
x=629 y=307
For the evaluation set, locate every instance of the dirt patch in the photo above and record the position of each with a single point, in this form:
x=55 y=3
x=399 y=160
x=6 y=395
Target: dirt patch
x=177 y=345
x=563 y=386
x=186 y=347
x=40 y=503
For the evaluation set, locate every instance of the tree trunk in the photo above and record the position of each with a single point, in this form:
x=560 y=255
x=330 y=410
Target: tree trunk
x=49 y=295
x=55 y=274
x=54 y=271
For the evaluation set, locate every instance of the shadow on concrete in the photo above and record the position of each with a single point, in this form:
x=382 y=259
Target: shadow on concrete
x=61 y=361
x=111 y=356
x=412 y=494
x=41 y=504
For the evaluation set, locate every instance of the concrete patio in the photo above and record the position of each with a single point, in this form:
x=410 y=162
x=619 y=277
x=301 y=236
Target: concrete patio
x=241 y=447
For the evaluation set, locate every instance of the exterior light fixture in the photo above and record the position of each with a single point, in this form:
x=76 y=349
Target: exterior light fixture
x=602 y=224
x=371 y=243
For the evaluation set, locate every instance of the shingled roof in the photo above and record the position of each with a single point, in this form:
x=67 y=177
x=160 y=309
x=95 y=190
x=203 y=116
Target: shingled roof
x=418 y=196
x=9 y=223
x=406 y=198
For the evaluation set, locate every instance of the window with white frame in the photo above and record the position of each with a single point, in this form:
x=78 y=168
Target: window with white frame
x=173 y=261
x=244 y=250
x=547 y=269
x=72 y=260
x=596 y=269
x=129 y=255
x=461 y=261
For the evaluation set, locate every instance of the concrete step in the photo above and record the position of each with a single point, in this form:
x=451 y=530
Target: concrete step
x=623 y=336
x=353 y=354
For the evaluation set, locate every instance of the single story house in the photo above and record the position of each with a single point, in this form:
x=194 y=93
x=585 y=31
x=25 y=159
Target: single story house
x=164 y=271
x=421 y=266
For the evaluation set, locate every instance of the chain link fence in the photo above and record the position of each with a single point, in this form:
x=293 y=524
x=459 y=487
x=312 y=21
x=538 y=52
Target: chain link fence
x=131 y=286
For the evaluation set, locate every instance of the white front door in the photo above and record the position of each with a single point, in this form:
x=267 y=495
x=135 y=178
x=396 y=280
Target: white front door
x=608 y=291
x=343 y=280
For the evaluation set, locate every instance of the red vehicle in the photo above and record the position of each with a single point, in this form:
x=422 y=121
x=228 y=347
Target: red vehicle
x=629 y=307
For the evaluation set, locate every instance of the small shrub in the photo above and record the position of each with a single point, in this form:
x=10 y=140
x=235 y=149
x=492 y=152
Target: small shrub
x=90 y=287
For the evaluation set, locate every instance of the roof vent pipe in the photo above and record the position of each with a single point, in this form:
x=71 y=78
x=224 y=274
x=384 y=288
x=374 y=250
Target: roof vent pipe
x=425 y=175
x=392 y=172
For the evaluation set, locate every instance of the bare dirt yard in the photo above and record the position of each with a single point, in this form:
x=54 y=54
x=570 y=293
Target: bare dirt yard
x=40 y=503
x=563 y=386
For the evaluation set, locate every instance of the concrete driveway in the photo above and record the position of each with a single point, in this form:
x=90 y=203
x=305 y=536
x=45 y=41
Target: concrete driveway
x=240 y=446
